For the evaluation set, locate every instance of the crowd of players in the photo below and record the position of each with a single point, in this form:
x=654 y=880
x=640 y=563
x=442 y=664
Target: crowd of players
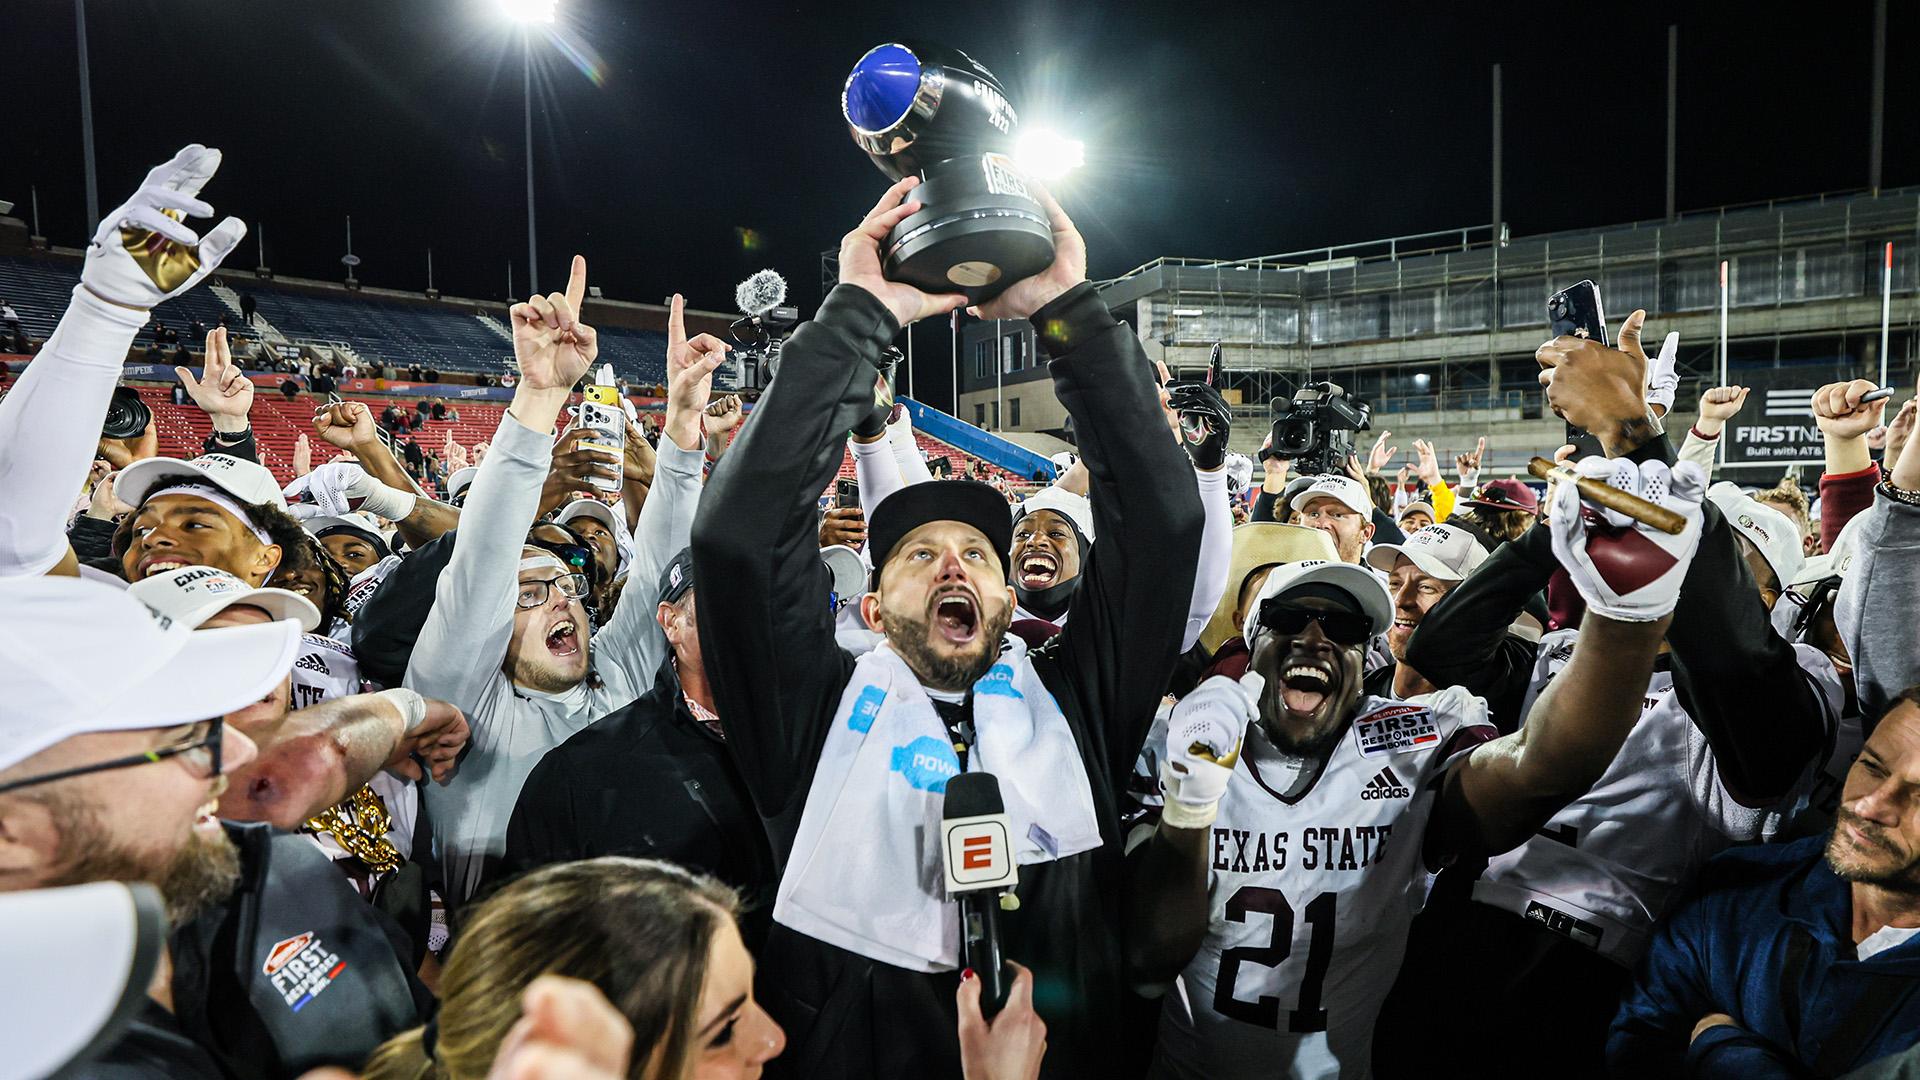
x=1314 y=776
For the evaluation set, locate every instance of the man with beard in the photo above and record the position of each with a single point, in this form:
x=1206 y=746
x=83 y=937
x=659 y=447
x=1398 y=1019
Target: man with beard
x=1795 y=959
x=847 y=760
x=507 y=637
x=274 y=965
x=1339 y=803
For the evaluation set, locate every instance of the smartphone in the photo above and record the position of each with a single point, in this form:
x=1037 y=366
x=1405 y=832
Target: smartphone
x=1575 y=311
x=847 y=494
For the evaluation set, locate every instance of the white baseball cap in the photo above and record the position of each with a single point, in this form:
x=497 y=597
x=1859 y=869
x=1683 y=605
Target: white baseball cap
x=246 y=481
x=193 y=594
x=589 y=507
x=848 y=571
x=1350 y=492
x=79 y=961
x=1439 y=551
x=84 y=657
x=1421 y=505
x=1075 y=508
x=356 y=521
x=1356 y=581
x=1767 y=529
x=458 y=482
x=1836 y=562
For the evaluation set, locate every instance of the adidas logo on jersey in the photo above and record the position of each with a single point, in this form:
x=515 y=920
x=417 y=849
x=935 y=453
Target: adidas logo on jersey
x=1384 y=785
x=313 y=662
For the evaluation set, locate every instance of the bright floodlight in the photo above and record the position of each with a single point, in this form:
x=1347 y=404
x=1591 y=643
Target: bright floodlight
x=1048 y=154
x=529 y=11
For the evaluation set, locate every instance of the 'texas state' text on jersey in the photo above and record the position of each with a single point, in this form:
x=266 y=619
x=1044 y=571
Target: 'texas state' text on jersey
x=1311 y=897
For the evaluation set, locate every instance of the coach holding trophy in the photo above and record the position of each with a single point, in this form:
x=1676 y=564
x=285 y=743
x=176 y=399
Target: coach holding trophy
x=848 y=760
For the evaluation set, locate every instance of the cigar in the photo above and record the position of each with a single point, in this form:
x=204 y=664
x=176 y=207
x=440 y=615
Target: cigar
x=1611 y=497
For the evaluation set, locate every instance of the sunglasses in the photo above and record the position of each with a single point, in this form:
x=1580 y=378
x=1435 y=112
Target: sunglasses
x=1341 y=627
x=204 y=766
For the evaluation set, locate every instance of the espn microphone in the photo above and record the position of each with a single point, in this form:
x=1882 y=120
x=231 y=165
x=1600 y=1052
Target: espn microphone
x=976 y=852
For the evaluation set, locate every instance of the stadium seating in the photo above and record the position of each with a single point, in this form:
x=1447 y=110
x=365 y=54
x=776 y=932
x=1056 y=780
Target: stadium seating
x=277 y=422
x=39 y=289
x=442 y=335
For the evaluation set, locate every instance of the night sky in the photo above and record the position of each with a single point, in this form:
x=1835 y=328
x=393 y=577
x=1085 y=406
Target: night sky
x=1215 y=130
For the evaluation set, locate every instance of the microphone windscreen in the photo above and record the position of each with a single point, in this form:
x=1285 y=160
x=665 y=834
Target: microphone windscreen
x=973 y=794
x=762 y=292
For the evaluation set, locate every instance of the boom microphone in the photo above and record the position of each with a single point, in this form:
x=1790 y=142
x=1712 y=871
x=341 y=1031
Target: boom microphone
x=761 y=293
x=977 y=855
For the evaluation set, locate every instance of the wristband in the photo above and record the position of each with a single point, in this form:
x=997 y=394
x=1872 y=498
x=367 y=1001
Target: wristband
x=1899 y=495
x=413 y=707
x=1180 y=815
x=388 y=502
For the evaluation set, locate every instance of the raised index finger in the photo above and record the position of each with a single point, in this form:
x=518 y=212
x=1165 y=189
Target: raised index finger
x=676 y=322
x=577 y=284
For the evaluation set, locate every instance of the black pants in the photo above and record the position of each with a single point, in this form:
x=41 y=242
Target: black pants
x=1484 y=992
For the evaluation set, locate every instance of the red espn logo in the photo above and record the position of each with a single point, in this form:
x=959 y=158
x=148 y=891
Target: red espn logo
x=978 y=853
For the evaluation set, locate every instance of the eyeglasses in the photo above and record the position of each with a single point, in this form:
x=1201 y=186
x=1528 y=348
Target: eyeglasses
x=535 y=593
x=199 y=752
x=1341 y=627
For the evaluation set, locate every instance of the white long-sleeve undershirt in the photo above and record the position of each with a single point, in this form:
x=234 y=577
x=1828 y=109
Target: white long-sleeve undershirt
x=50 y=428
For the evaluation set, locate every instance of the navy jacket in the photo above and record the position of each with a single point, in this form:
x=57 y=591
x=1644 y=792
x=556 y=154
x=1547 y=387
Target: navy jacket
x=1732 y=949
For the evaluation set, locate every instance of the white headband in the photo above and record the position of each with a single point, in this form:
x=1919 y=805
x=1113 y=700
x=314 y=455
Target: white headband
x=219 y=499
x=542 y=562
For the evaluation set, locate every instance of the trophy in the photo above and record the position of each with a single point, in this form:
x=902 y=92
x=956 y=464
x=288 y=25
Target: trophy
x=936 y=112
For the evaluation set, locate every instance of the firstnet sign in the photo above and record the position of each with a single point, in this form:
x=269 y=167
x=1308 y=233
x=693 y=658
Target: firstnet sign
x=1777 y=426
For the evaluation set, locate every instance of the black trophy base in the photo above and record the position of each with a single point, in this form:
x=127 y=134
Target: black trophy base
x=978 y=231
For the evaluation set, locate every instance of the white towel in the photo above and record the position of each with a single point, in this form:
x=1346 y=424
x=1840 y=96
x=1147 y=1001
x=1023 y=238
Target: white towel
x=865 y=869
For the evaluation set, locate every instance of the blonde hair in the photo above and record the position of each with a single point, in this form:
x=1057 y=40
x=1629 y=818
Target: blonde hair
x=1787 y=497
x=637 y=929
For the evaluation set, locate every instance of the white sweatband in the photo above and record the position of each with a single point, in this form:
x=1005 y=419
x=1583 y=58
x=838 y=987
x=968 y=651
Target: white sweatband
x=219 y=499
x=388 y=502
x=1181 y=816
x=543 y=562
x=413 y=707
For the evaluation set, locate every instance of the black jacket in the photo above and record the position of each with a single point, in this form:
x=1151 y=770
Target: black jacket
x=292 y=971
x=649 y=781
x=767 y=636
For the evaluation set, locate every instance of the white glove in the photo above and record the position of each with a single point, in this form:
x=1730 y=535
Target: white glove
x=1203 y=745
x=1662 y=379
x=1624 y=570
x=142 y=254
x=340 y=487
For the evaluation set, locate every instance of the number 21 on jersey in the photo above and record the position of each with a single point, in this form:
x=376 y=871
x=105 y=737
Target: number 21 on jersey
x=1308 y=1015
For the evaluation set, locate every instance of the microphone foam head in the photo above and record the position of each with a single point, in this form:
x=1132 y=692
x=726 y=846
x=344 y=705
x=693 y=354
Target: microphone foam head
x=972 y=795
x=765 y=290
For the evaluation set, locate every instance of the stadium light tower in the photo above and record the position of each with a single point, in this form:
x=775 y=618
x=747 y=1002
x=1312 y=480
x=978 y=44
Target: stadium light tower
x=1047 y=154
x=529 y=14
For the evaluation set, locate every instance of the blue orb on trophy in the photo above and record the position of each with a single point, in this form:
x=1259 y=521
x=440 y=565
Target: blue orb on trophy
x=937 y=113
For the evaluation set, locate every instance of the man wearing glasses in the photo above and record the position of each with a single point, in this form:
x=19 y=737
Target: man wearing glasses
x=1300 y=815
x=117 y=774
x=508 y=640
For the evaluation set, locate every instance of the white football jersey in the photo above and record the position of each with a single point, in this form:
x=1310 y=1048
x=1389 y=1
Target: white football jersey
x=1609 y=865
x=1312 y=896
x=324 y=670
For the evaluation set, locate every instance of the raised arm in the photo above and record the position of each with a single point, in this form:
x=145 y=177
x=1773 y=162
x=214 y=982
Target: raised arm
x=50 y=420
x=1205 y=424
x=1874 y=612
x=464 y=639
x=1130 y=610
x=633 y=641
x=1630 y=577
x=765 y=629
x=324 y=752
